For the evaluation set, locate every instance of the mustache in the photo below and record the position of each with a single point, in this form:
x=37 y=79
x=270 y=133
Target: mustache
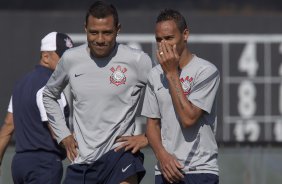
x=99 y=44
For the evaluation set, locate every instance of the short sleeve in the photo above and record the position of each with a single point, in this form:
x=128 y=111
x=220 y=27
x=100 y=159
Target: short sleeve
x=204 y=91
x=150 y=105
x=144 y=66
x=39 y=102
x=10 y=107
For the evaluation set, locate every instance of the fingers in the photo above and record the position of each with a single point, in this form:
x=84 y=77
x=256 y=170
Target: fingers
x=168 y=57
x=135 y=149
x=173 y=173
x=159 y=53
x=175 y=53
x=133 y=143
x=168 y=51
x=120 y=147
x=71 y=146
x=177 y=170
x=167 y=178
x=71 y=151
x=128 y=146
x=178 y=165
x=165 y=50
x=125 y=142
x=171 y=169
x=122 y=138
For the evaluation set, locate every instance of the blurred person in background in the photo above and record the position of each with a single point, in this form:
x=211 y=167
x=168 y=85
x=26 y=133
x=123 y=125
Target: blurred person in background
x=106 y=80
x=180 y=106
x=38 y=156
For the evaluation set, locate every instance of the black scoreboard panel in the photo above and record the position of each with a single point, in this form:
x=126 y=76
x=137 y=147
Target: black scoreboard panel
x=250 y=93
x=253 y=90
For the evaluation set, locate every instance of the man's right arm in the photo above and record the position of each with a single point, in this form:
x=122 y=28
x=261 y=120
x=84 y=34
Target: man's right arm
x=52 y=92
x=6 y=133
x=170 y=167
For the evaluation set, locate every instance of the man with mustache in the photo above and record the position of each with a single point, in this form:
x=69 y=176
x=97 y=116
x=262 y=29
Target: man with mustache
x=106 y=79
x=180 y=106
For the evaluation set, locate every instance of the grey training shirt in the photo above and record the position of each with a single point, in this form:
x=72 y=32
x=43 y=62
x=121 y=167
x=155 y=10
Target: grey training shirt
x=194 y=147
x=105 y=94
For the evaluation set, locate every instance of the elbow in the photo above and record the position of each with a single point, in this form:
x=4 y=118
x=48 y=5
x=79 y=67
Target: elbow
x=190 y=119
x=188 y=122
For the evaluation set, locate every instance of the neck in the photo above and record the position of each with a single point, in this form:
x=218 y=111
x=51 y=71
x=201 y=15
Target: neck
x=185 y=58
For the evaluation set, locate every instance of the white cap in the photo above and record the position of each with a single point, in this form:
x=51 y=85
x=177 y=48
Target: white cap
x=55 y=41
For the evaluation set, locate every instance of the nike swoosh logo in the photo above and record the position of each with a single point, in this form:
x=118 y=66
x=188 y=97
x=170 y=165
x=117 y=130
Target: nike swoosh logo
x=76 y=75
x=159 y=88
x=124 y=169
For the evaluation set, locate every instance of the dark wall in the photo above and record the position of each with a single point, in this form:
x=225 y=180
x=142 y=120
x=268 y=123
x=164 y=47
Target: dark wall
x=218 y=5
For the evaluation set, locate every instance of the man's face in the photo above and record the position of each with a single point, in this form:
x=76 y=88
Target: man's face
x=169 y=32
x=101 y=35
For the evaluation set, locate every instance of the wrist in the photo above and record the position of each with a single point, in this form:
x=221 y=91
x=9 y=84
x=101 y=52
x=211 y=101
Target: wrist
x=172 y=74
x=160 y=152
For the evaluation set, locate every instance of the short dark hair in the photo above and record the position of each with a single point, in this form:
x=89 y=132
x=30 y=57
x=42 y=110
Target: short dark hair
x=101 y=9
x=170 y=14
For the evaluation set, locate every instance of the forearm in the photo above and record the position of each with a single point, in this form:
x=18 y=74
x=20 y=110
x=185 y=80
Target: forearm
x=55 y=116
x=187 y=112
x=4 y=142
x=6 y=134
x=153 y=133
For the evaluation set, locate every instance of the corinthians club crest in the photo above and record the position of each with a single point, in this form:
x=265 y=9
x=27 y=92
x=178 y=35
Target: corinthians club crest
x=118 y=77
x=187 y=84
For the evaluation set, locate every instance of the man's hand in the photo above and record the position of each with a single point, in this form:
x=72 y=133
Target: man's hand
x=170 y=167
x=168 y=57
x=133 y=143
x=71 y=146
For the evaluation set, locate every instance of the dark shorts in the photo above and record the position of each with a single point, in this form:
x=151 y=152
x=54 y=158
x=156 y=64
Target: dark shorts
x=203 y=178
x=111 y=168
x=36 y=168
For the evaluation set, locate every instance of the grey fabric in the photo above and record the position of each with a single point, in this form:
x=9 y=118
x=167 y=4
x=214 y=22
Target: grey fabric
x=105 y=92
x=194 y=147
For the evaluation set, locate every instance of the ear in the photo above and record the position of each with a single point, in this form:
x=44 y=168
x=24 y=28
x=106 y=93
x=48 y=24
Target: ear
x=45 y=57
x=186 y=34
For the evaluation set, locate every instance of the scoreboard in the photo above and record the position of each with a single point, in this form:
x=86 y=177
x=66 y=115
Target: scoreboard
x=250 y=93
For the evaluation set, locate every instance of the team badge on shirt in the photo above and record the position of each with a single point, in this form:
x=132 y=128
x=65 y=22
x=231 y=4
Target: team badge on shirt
x=187 y=83
x=118 y=76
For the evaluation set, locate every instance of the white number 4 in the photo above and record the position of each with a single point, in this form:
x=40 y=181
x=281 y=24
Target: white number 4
x=248 y=60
